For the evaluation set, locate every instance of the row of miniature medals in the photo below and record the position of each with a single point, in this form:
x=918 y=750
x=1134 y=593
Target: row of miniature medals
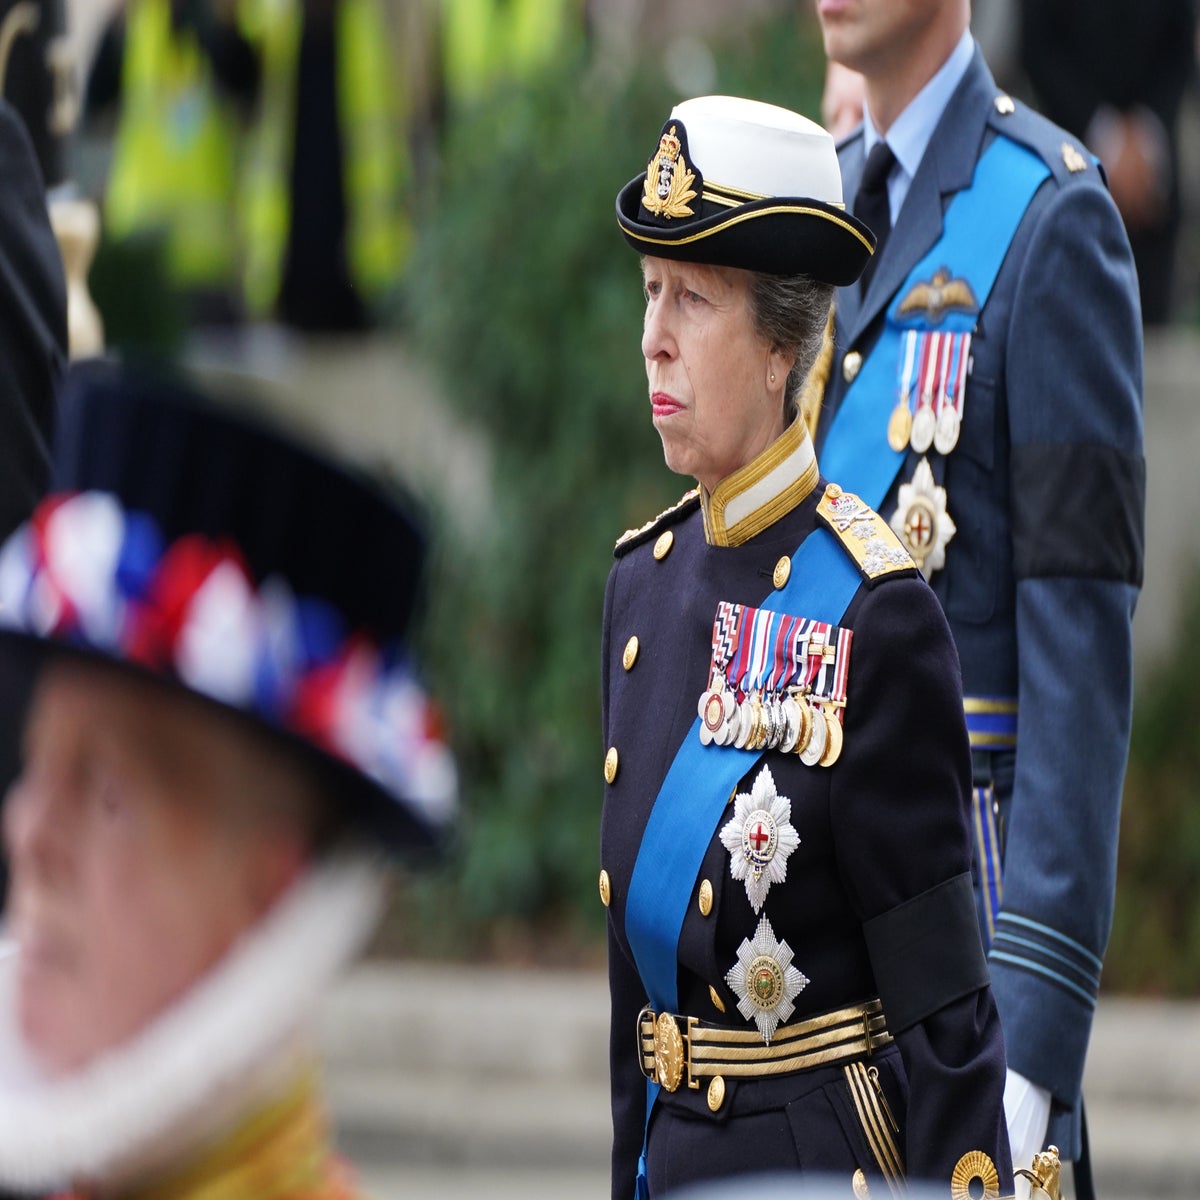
x=933 y=372
x=932 y=376
x=776 y=683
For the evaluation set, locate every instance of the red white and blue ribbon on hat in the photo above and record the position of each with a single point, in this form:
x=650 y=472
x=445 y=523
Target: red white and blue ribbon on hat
x=85 y=572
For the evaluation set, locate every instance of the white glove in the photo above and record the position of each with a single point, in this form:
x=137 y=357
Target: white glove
x=1027 y=1111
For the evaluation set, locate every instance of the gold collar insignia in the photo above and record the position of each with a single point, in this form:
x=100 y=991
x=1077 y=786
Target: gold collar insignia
x=668 y=186
x=938 y=297
x=757 y=495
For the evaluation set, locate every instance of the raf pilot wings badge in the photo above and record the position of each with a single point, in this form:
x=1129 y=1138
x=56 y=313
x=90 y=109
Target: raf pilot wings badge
x=940 y=295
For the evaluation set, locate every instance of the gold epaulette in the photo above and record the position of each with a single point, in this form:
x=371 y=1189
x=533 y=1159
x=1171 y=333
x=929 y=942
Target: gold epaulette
x=630 y=534
x=865 y=535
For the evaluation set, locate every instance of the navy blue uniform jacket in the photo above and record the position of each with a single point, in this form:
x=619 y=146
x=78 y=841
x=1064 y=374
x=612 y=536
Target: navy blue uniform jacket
x=884 y=825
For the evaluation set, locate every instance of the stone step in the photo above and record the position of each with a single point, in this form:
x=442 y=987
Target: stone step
x=469 y=1071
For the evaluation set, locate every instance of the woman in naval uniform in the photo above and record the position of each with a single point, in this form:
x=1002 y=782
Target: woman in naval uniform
x=796 y=974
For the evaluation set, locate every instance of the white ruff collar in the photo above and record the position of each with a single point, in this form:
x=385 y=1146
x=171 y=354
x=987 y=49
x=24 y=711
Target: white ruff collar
x=230 y=1042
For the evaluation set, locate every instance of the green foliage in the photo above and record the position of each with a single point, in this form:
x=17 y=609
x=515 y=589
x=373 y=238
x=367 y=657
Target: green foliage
x=1155 y=944
x=529 y=301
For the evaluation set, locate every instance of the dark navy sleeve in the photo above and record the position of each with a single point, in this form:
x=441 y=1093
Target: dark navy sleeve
x=899 y=801
x=627 y=995
x=1074 y=385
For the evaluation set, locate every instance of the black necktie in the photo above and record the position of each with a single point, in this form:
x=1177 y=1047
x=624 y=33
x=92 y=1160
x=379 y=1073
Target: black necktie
x=871 y=203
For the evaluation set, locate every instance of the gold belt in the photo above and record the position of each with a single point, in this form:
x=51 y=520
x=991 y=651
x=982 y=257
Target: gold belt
x=671 y=1047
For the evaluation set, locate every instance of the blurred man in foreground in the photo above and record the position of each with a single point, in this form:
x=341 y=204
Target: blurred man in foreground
x=224 y=731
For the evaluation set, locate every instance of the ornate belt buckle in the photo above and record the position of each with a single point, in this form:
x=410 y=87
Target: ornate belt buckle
x=668 y=1051
x=671 y=1049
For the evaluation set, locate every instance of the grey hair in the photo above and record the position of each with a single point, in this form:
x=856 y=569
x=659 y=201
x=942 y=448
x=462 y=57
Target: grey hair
x=790 y=311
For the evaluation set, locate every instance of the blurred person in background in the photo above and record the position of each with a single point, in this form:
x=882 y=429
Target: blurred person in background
x=180 y=78
x=986 y=394
x=994 y=24
x=841 y=100
x=225 y=736
x=326 y=210
x=1115 y=76
x=795 y=969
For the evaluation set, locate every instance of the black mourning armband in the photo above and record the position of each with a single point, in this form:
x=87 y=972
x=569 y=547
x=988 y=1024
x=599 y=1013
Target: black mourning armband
x=1078 y=510
x=926 y=952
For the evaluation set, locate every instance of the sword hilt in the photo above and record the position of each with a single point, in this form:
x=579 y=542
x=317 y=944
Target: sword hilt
x=1046 y=1175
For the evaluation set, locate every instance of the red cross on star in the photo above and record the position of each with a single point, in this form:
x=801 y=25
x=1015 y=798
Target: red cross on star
x=921 y=528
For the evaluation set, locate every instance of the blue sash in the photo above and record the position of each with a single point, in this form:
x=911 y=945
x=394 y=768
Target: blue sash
x=694 y=794
x=977 y=230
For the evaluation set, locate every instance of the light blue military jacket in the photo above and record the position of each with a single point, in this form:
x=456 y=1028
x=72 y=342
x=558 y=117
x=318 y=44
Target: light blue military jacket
x=1045 y=488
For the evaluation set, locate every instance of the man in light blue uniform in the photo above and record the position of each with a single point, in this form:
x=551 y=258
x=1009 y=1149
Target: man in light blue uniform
x=985 y=395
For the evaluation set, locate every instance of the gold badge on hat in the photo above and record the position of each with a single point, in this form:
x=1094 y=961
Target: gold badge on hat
x=668 y=186
x=938 y=297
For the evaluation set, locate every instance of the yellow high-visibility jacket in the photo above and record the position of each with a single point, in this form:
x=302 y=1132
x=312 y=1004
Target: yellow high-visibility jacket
x=376 y=168
x=174 y=166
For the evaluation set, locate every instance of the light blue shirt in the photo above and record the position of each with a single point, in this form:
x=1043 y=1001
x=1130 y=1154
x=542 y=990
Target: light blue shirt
x=912 y=130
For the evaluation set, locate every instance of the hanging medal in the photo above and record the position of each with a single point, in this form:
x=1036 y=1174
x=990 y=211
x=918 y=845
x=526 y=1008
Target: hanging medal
x=718 y=703
x=810 y=755
x=949 y=421
x=797 y=714
x=753 y=686
x=925 y=420
x=832 y=709
x=779 y=671
x=900 y=423
x=743 y=660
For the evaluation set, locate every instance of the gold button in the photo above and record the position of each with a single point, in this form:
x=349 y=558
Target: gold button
x=783 y=571
x=663 y=546
x=851 y=365
x=605 y=889
x=631 y=653
x=715 y=997
x=1005 y=106
x=706 y=897
x=610 y=764
x=832 y=491
x=716 y=1093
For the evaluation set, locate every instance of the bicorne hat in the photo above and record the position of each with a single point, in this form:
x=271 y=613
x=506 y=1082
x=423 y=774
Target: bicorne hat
x=739 y=183
x=190 y=542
